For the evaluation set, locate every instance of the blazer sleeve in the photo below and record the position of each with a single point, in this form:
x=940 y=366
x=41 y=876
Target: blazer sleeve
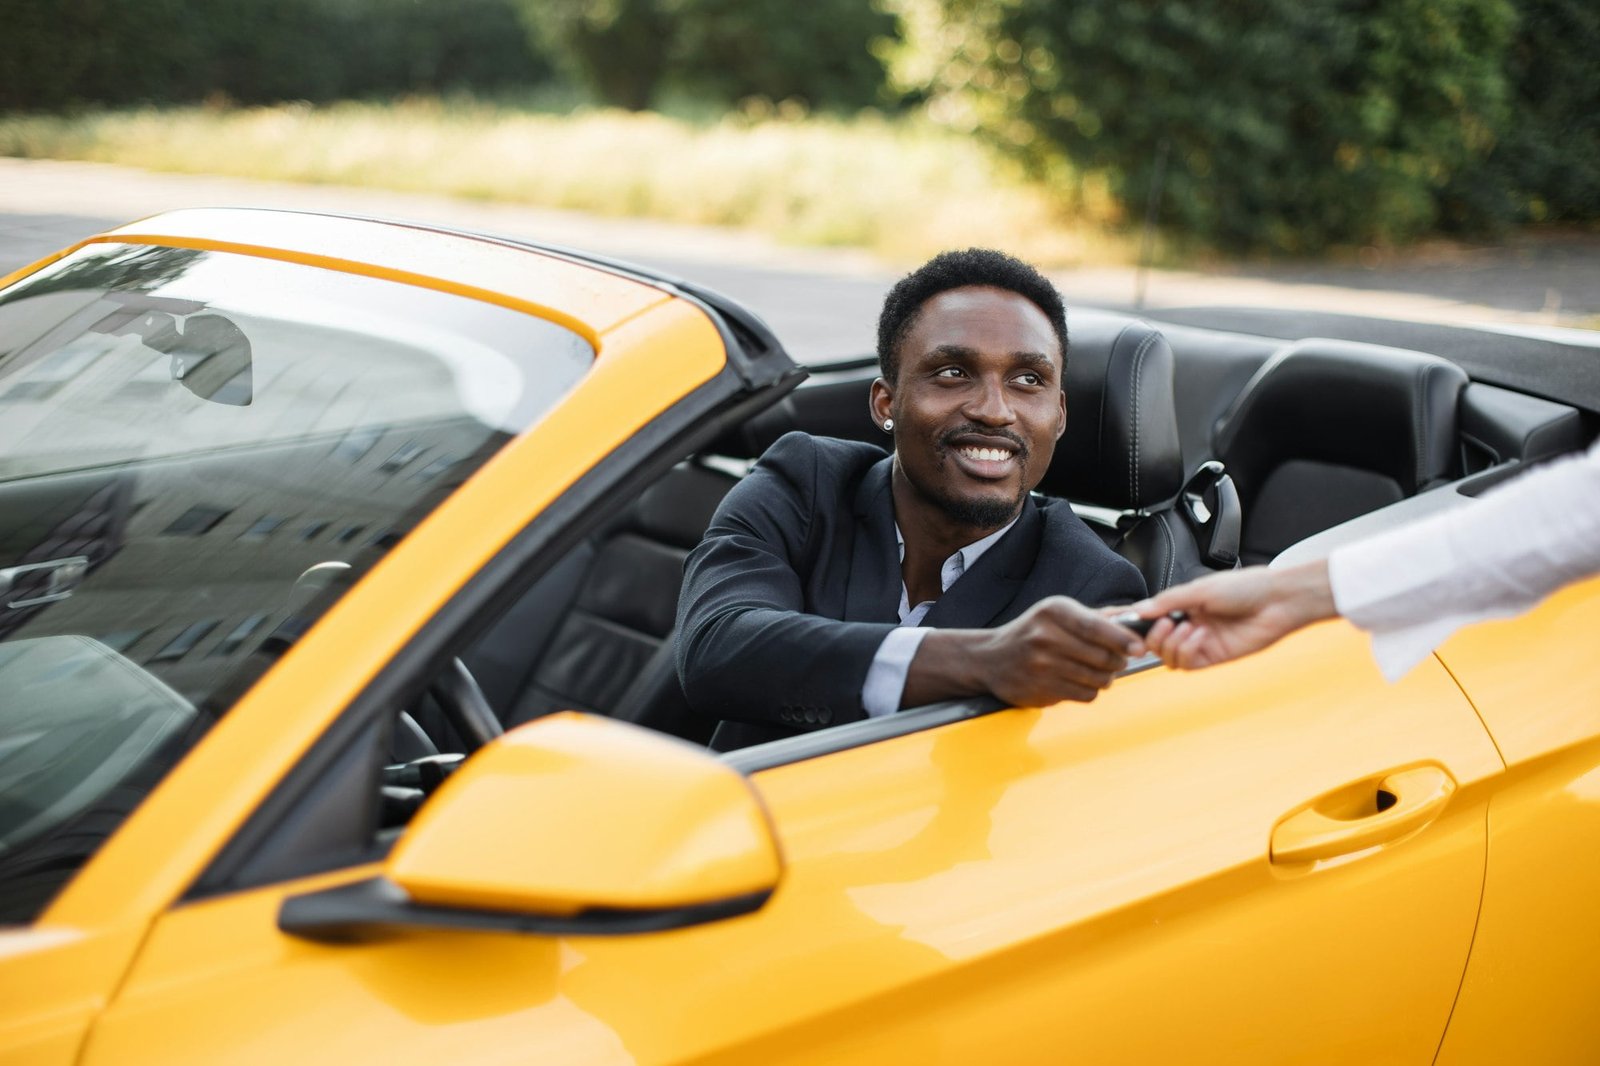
x=747 y=649
x=1116 y=582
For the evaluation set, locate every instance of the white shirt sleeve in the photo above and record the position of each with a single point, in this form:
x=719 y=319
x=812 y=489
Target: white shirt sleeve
x=1414 y=586
x=886 y=677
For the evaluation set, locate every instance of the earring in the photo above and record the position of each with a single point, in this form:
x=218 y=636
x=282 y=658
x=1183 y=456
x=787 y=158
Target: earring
x=888 y=425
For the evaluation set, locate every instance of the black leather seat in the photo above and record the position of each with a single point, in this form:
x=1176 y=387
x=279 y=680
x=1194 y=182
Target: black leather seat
x=595 y=632
x=1121 y=452
x=1329 y=430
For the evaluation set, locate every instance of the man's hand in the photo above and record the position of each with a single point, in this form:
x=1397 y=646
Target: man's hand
x=1057 y=650
x=1236 y=613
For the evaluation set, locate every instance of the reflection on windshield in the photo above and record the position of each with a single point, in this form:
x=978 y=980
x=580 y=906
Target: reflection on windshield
x=183 y=436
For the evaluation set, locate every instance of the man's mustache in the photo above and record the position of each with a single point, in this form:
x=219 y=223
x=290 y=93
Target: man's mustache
x=948 y=440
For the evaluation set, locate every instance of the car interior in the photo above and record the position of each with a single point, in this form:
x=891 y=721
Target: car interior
x=1187 y=450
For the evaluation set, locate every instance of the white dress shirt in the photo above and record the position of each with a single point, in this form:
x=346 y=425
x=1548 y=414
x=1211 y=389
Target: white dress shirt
x=886 y=677
x=1415 y=585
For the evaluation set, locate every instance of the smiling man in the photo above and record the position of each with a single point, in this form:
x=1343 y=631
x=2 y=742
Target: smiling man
x=836 y=583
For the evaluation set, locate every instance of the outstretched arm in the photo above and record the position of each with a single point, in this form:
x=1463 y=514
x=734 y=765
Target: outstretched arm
x=1236 y=613
x=1411 y=586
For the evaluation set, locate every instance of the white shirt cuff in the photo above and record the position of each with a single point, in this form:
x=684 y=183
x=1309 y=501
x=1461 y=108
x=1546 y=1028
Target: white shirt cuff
x=886 y=677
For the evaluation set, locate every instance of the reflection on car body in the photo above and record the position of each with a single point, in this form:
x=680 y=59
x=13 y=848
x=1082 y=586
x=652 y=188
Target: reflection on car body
x=247 y=645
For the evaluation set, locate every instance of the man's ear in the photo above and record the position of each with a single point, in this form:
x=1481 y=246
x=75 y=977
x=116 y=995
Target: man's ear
x=1061 y=423
x=880 y=402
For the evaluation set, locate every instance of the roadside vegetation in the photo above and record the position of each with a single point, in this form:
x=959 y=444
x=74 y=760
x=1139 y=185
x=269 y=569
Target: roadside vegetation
x=902 y=187
x=1264 y=127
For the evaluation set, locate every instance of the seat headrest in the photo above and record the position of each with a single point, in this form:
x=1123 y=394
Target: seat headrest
x=1121 y=446
x=678 y=507
x=1386 y=410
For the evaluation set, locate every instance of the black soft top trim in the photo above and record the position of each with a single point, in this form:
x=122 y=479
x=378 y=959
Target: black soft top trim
x=1566 y=371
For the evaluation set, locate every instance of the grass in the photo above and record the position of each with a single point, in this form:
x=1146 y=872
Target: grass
x=902 y=187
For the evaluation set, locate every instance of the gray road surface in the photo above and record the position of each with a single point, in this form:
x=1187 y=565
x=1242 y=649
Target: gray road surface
x=824 y=302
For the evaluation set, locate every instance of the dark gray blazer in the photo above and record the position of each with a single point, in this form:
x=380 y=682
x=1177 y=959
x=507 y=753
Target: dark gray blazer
x=797 y=582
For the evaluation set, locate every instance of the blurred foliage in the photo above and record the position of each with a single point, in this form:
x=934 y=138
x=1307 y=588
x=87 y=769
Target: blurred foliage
x=614 y=48
x=1272 y=124
x=818 y=52
x=1279 y=125
x=1548 y=158
x=629 y=51
x=901 y=187
x=64 y=53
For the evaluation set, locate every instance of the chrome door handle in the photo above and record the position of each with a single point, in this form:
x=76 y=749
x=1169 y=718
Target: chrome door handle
x=64 y=575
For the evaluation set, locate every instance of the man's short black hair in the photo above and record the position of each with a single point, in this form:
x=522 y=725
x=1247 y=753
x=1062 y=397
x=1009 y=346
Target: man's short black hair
x=955 y=270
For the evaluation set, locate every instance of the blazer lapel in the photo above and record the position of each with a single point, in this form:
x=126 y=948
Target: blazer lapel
x=980 y=595
x=873 y=592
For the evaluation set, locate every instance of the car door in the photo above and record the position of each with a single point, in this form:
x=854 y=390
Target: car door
x=1138 y=880
x=1528 y=994
x=1108 y=883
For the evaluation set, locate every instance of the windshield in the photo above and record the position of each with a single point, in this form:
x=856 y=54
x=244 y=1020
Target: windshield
x=193 y=445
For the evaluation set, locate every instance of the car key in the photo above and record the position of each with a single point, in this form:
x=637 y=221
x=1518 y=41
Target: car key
x=1141 y=626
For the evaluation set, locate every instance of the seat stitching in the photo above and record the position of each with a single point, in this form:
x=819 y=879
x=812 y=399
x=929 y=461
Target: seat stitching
x=1172 y=554
x=1419 y=423
x=1100 y=426
x=1138 y=367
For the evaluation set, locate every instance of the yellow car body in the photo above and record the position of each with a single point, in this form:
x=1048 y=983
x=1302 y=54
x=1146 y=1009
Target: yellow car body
x=1194 y=868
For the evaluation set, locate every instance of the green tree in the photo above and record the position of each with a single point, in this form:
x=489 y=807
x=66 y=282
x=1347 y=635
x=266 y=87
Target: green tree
x=62 y=53
x=628 y=51
x=1276 y=123
x=616 y=48
x=819 y=52
x=1548 y=160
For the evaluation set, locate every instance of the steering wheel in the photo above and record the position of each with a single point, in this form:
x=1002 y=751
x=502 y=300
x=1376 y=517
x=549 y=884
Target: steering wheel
x=465 y=706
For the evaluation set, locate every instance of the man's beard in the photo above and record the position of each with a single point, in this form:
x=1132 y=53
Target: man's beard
x=981 y=513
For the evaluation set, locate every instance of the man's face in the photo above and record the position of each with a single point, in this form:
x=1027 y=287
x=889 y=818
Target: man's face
x=977 y=403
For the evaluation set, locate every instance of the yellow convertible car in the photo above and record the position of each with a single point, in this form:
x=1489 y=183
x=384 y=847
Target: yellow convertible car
x=298 y=511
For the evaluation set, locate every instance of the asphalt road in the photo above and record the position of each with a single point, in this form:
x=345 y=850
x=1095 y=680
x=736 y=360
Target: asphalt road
x=824 y=302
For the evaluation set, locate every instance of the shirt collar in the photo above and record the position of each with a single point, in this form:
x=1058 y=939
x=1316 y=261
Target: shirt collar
x=964 y=558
